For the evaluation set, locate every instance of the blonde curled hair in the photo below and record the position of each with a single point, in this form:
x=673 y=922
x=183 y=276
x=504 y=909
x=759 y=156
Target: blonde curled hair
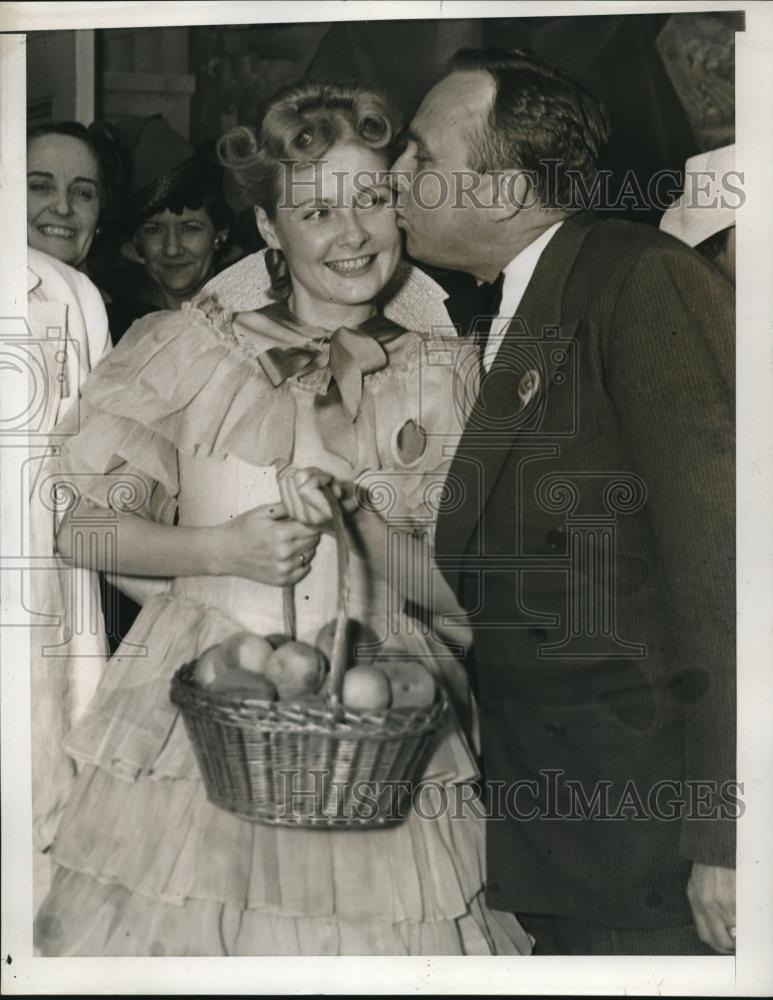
x=300 y=125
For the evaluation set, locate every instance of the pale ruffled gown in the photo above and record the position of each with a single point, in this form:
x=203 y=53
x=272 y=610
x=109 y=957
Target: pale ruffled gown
x=146 y=865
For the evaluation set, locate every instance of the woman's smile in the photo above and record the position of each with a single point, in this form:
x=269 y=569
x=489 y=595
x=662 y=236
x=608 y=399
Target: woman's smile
x=340 y=243
x=351 y=266
x=60 y=232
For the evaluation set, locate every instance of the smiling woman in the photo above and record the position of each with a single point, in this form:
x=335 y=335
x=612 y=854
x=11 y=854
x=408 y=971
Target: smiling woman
x=178 y=249
x=67 y=191
x=174 y=219
x=341 y=244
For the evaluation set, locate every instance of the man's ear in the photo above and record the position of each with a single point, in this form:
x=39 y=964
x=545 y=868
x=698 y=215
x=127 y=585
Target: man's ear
x=266 y=228
x=514 y=191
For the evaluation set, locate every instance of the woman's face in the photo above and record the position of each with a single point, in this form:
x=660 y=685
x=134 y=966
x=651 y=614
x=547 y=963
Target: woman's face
x=337 y=229
x=63 y=193
x=178 y=251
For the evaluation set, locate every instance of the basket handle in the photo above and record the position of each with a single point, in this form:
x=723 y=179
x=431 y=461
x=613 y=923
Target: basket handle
x=338 y=654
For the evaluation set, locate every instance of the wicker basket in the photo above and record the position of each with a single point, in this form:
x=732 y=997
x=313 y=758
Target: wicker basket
x=297 y=763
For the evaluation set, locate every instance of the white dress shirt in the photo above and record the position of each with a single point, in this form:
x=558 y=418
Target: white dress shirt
x=518 y=274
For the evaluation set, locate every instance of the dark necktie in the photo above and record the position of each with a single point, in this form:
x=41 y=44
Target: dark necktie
x=472 y=307
x=488 y=300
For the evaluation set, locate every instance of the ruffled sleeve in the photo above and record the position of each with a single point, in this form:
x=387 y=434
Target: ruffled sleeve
x=176 y=383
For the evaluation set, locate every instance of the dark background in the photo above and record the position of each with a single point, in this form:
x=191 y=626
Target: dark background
x=667 y=80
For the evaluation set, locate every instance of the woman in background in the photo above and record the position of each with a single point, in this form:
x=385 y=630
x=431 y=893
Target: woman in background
x=175 y=225
x=71 y=183
x=174 y=220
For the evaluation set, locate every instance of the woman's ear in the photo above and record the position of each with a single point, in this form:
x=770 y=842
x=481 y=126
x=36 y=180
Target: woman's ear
x=221 y=237
x=266 y=228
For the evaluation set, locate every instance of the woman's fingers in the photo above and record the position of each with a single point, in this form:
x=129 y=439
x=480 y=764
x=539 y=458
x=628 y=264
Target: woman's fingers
x=296 y=566
x=297 y=533
x=309 y=484
x=301 y=492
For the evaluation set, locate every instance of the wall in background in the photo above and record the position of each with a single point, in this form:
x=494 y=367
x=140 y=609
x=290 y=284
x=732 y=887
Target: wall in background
x=143 y=71
x=61 y=75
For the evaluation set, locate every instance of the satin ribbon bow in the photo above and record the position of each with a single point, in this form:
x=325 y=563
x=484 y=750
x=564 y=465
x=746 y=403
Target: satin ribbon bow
x=349 y=355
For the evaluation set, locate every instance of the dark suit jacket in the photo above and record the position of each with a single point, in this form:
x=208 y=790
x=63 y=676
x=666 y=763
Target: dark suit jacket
x=594 y=551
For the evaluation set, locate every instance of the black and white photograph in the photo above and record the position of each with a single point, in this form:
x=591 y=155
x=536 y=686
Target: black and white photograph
x=386 y=528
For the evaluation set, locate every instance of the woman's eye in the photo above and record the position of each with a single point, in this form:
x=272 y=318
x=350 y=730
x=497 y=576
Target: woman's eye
x=192 y=227
x=371 y=199
x=39 y=186
x=87 y=194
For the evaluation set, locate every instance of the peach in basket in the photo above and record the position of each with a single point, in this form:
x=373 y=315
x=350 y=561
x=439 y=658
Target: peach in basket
x=295 y=669
x=366 y=689
x=413 y=686
x=220 y=670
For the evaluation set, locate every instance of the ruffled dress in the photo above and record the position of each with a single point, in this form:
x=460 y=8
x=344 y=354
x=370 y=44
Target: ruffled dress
x=183 y=414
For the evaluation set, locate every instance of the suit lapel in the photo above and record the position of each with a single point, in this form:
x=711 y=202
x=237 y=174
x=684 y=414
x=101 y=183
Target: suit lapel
x=493 y=426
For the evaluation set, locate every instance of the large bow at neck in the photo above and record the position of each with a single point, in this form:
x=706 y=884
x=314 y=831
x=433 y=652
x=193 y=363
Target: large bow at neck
x=348 y=355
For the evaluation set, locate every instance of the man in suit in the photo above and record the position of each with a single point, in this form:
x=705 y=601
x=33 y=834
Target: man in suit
x=594 y=553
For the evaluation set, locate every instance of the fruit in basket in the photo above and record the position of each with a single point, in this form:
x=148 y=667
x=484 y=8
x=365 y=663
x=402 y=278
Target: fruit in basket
x=247 y=651
x=366 y=688
x=357 y=634
x=413 y=686
x=210 y=665
x=240 y=683
x=277 y=639
x=296 y=668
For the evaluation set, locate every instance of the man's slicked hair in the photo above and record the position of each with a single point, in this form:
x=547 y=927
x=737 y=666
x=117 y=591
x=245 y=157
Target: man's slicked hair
x=541 y=122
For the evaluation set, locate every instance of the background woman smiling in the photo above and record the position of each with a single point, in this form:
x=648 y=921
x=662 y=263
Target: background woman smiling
x=67 y=190
x=175 y=221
